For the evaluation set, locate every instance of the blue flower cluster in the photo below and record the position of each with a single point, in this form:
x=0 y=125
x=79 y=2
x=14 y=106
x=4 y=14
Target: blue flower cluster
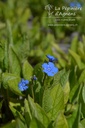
x=23 y=85
x=49 y=68
x=75 y=4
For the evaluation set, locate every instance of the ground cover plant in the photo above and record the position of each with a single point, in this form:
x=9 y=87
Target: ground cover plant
x=41 y=86
x=49 y=94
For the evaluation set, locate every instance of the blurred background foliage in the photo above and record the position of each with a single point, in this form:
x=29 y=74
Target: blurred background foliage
x=29 y=29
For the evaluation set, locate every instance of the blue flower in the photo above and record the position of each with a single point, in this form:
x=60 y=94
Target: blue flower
x=23 y=85
x=51 y=58
x=49 y=68
x=75 y=4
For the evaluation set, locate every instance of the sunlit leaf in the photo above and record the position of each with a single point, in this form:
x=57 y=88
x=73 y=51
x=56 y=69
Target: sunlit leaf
x=66 y=92
x=37 y=112
x=60 y=122
x=20 y=124
x=28 y=116
x=11 y=81
x=82 y=77
x=53 y=101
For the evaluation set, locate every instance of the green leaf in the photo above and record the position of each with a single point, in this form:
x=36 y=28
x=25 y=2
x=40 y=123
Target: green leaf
x=6 y=77
x=60 y=122
x=14 y=63
x=73 y=118
x=61 y=78
x=77 y=59
x=35 y=124
x=38 y=113
x=82 y=77
x=73 y=77
x=81 y=50
x=57 y=78
x=82 y=103
x=28 y=116
x=27 y=70
x=61 y=61
x=53 y=101
x=80 y=125
x=13 y=86
x=74 y=92
x=20 y=124
x=64 y=78
x=11 y=81
x=66 y=90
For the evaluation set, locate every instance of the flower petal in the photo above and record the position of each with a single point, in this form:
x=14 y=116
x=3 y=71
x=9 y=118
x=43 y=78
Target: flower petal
x=44 y=65
x=50 y=74
x=51 y=64
x=55 y=70
x=26 y=82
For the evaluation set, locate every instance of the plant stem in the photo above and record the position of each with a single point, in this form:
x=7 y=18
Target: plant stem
x=44 y=79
